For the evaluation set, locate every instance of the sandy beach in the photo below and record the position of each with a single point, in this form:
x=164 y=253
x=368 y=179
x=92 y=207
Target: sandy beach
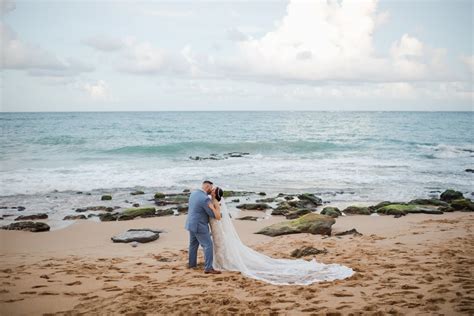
x=416 y=264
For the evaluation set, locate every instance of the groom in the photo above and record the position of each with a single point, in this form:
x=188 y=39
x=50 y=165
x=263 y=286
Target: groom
x=197 y=222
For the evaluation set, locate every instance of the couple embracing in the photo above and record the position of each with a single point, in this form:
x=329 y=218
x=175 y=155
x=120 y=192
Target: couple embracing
x=225 y=251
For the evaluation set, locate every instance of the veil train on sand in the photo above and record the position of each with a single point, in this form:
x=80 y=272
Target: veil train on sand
x=238 y=257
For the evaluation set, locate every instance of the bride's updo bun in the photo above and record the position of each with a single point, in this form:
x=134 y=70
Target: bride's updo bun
x=219 y=193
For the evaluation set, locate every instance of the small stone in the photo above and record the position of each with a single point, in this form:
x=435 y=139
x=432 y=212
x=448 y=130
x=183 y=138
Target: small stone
x=106 y=197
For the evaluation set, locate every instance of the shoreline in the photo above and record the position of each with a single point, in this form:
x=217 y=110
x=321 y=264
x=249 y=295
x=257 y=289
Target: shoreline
x=79 y=268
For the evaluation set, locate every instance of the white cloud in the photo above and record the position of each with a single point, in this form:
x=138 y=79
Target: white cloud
x=331 y=41
x=103 y=43
x=98 y=90
x=168 y=13
x=7 y=6
x=17 y=54
x=469 y=62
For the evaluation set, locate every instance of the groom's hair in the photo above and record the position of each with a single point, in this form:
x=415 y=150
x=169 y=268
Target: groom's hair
x=208 y=182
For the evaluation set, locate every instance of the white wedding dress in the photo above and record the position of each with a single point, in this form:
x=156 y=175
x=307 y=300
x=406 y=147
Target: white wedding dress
x=232 y=255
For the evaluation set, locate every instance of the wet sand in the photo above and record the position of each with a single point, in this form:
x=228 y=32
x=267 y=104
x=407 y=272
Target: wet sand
x=417 y=264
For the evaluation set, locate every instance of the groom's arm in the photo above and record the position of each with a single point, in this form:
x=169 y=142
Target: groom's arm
x=208 y=208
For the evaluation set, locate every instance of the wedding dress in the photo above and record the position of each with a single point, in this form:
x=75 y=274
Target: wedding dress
x=232 y=255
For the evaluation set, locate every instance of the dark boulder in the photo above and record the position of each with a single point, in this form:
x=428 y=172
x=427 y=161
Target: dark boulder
x=307 y=251
x=334 y=212
x=28 y=226
x=32 y=217
x=137 y=235
x=310 y=223
x=253 y=206
x=450 y=195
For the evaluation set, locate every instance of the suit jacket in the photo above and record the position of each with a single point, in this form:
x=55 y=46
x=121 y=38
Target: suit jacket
x=199 y=212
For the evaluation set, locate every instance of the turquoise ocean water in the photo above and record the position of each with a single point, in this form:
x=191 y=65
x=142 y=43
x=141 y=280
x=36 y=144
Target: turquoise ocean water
x=346 y=155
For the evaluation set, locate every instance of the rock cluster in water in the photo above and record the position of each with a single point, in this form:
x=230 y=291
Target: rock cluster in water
x=220 y=157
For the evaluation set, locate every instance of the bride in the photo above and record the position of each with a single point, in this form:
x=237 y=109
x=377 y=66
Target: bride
x=232 y=255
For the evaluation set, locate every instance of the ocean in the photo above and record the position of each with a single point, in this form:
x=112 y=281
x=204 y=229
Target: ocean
x=341 y=156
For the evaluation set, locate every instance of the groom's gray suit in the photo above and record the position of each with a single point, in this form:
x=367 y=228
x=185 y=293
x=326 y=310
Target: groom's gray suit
x=197 y=222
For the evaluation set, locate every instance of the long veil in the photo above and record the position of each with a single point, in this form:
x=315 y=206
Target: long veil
x=235 y=256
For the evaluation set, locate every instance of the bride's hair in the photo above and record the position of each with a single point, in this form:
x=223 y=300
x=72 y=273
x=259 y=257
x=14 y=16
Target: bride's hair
x=219 y=193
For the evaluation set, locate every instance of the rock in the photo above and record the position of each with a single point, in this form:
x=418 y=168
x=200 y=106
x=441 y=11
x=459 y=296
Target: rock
x=132 y=213
x=32 y=217
x=266 y=200
x=74 y=217
x=166 y=212
x=248 y=218
x=137 y=193
x=28 y=226
x=450 y=195
x=394 y=209
x=106 y=197
x=283 y=208
x=311 y=198
x=172 y=199
x=464 y=205
x=136 y=204
x=469 y=170
x=186 y=191
x=353 y=231
x=236 y=193
x=262 y=193
x=357 y=210
x=236 y=200
x=334 y=212
x=382 y=204
x=433 y=201
x=159 y=195
x=253 y=206
x=20 y=208
x=137 y=235
x=298 y=213
x=307 y=251
x=183 y=209
x=97 y=208
x=310 y=223
x=108 y=217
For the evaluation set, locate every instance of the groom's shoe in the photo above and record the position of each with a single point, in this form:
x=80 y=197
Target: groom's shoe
x=212 y=271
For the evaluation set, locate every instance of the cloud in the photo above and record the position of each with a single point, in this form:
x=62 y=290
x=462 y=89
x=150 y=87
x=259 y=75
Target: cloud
x=7 y=6
x=330 y=41
x=20 y=55
x=168 y=13
x=98 y=90
x=104 y=43
x=234 y=34
x=469 y=62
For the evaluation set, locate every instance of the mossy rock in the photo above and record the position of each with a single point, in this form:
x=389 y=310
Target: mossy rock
x=132 y=213
x=229 y=193
x=74 y=217
x=159 y=195
x=253 y=206
x=106 y=197
x=334 y=212
x=435 y=202
x=382 y=204
x=357 y=210
x=396 y=209
x=450 y=195
x=310 y=223
x=464 y=205
x=109 y=217
x=137 y=193
x=166 y=212
x=310 y=198
x=298 y=213
x=266 y=200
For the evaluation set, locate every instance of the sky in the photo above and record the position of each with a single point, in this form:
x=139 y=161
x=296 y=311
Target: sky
x=179 y=55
